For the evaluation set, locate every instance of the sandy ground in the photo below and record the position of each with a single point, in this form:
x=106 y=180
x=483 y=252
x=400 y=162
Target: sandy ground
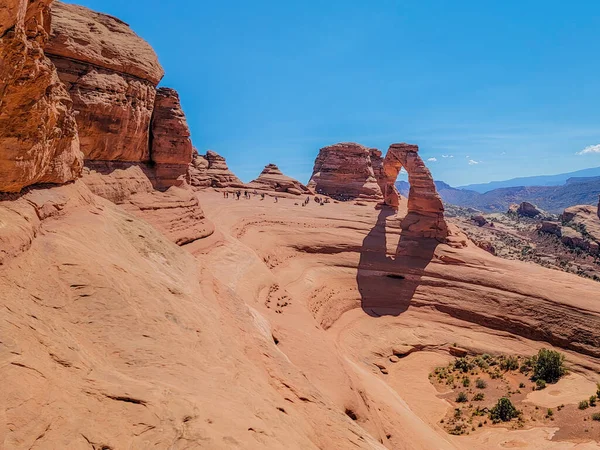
x=312 y=254
x=288 y=327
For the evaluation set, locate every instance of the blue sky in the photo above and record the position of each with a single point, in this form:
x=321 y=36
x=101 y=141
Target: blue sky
x=502 y=89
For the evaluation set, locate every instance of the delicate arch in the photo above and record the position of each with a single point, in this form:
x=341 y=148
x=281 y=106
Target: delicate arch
x=425 y=216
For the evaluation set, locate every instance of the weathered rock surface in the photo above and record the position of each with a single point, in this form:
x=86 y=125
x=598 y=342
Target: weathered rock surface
x=171 y=150
x=345 y=171
x=38 y=134
x=425 y=217
x=479 y=220
x=272 y=179
x=211 y=170
x=550 y=227
x=111 y=75
x=527 y=209
x=176 y=213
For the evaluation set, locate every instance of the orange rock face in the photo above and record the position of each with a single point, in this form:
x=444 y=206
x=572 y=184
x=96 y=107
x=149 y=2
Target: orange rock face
x=111 y=75
x=272 y=179
x=171 y=146
x=344 y=171
x=211 y=170
x=425 y=216
x=38 y=134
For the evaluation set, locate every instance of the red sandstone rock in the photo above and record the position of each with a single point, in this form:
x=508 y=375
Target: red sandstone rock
x=527 y=209
x=211 y=170
x=345 y=171
x=111 y=75
x=171 y=150
x=38 y=134
x=272 y=179
x=425 y=216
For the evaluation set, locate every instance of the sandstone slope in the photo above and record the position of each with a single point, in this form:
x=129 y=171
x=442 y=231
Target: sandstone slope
x=272 y=179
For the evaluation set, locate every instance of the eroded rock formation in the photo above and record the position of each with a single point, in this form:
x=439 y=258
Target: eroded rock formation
x=272 y=179
x=38 y=134
x=345 y=171
x=171 y=146
x=425 y=216
x=111 y=75
x=211 y=170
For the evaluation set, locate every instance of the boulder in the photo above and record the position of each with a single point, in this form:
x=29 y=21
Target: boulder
x=38 y=133
x=550 y=227
x=272 y=179
x=171 y=146
x=345 y=171
x=111 y=75
x=574 y=239
x=527 y=209
x=479 y=220
x=211 y=170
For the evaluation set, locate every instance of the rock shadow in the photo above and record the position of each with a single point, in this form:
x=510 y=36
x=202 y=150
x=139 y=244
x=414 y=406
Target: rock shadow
x=387 y=282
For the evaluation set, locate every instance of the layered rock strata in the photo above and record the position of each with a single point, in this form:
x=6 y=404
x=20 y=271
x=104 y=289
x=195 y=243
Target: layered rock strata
x=345 y=171
x=425 y=216
x=171 y=146
x=272 y=179
x=111 y=75
x=38 y=134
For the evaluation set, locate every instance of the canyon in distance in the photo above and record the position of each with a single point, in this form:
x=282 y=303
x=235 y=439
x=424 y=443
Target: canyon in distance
x=150 y=298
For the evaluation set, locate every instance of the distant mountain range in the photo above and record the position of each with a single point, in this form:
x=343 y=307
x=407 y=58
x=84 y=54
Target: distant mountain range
x=542 y=180
x=554 y=199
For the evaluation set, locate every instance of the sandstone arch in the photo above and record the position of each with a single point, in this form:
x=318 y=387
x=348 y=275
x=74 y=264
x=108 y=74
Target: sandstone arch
x=425 y=217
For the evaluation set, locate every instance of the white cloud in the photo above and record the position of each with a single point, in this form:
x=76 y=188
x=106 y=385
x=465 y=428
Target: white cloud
x=590 y=149
x=447 y=156
x=432 y=159
x=472 y=162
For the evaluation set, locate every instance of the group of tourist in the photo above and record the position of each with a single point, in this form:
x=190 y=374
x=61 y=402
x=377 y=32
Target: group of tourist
x=247 y=195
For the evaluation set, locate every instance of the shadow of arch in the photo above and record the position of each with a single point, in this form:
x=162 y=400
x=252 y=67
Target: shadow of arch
x=387 y=283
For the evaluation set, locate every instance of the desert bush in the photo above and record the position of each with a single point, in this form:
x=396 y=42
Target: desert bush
x=463 y=364
x=480 y=384
x=593 y=399
x=503 y=411
x=461 y=398
x=549 y=413
x=521 y=385
x=549 y=365
x=583 y=404
x=596 y=416
x=509 y=363
x=478 y=397
x=466 y=382
x=540 y=384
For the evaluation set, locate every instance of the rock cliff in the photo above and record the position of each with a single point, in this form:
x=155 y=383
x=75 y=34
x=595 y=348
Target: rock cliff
x=38 y=134
x=345 y=171
x=272 y=179
x=111 y=75
x=171 y=146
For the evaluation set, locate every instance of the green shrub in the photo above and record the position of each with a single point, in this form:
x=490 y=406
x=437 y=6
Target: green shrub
x=549 y=413
x=593 y=399
x=509 y=363
x=549 y=365
x=583 y=404
x=463 y=365
x=466 y=382
x=478 y=397
x=461 y=398
x=596 y=416
x=521 y=385
x=503 y=411
x=480 y=384
x=541 y=384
